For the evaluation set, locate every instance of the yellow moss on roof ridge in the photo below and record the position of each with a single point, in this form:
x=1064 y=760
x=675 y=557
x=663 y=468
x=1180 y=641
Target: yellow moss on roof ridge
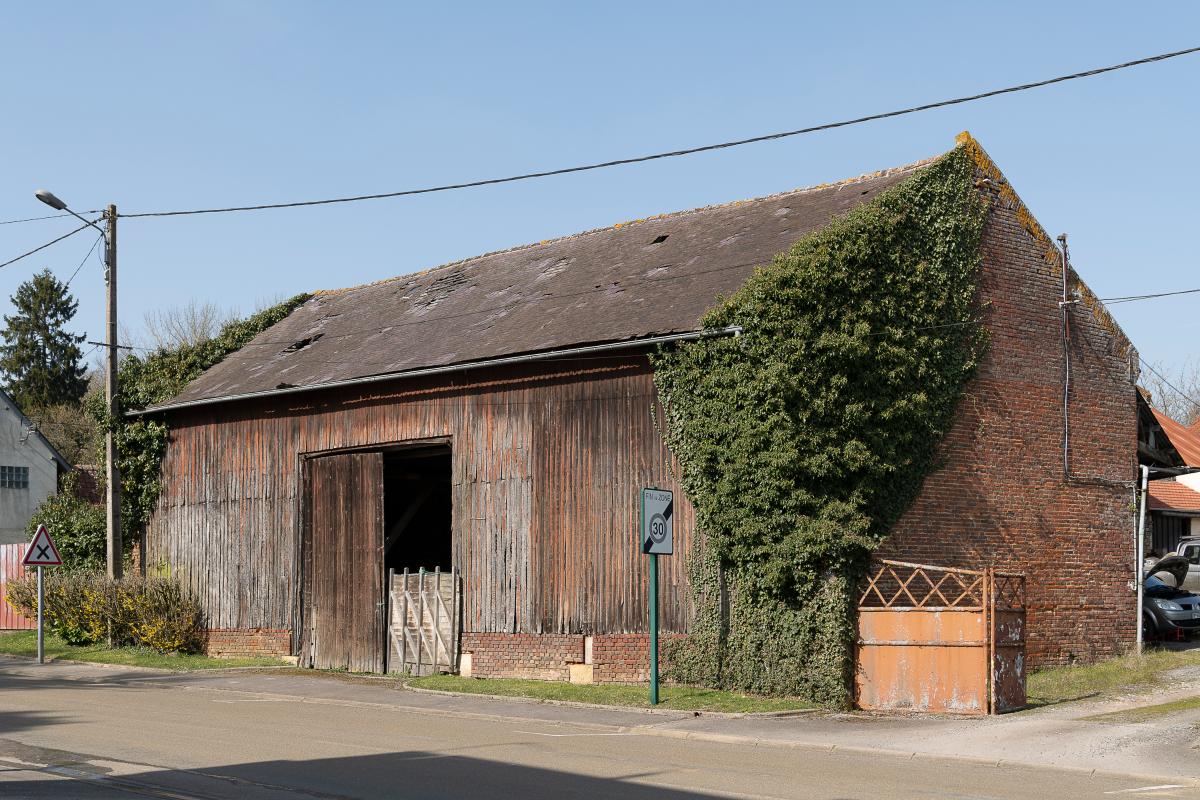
x=617 y=226
x=1050 y=252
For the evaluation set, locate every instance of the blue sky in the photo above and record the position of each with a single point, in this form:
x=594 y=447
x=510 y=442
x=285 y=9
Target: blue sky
x=157 y=106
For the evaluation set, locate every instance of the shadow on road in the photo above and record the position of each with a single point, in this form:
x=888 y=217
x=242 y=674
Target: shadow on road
x=413 y=774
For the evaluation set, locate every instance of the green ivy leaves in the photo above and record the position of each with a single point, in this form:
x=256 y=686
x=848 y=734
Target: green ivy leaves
x=156 y=378
x=802 y=441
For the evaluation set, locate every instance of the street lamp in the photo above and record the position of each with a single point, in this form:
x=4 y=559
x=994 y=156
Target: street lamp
x=112 y=472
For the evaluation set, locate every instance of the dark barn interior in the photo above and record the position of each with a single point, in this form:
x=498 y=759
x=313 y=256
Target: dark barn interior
x=417 y=509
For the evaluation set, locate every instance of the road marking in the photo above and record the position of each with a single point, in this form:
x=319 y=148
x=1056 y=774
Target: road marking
x=558 y=735
x=1148 y=788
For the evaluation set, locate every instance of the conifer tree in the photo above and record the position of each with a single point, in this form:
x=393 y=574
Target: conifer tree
x=39 y=357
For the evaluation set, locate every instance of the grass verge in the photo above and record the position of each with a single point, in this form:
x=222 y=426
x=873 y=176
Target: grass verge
x=1147 y=713
x=1061 y=684
x=24 y=643
x=672 y=698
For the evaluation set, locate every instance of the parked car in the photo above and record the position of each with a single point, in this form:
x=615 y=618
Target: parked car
x=1189 y=548
x=1167 y=610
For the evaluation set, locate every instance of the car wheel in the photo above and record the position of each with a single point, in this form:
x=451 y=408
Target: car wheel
x=1149 y=627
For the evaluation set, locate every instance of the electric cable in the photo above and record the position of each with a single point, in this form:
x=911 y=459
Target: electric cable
x=1135 y=297
x=1168 y=384
x=85 y=258
x=43 y=247
x=681 y=152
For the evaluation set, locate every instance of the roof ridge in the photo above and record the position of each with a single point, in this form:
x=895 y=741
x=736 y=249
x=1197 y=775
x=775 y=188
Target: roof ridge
x=911 y=167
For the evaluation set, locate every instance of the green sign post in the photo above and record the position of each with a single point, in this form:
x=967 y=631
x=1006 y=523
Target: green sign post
x=657 y=515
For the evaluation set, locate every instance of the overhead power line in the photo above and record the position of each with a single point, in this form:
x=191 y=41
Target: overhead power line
x=1168 y=384
x=33 y=219
x=1135 y=297
x=43 y=247
x=683 y=152
x=85 y=258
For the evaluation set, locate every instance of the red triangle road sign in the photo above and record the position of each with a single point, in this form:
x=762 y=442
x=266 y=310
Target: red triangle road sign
x=41 y=551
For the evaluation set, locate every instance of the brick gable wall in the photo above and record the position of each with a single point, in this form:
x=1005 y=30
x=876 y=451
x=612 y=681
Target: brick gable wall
x=1000 y=497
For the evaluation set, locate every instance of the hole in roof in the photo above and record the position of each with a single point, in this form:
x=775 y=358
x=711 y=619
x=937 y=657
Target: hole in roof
x=865 y=191
x=300 y=345
x=660 y=239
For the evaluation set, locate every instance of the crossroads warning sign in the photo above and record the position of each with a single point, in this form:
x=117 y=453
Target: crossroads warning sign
x=41 y=551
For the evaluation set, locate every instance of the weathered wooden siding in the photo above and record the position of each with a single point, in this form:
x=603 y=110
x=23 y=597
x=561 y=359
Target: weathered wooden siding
x=547 y=462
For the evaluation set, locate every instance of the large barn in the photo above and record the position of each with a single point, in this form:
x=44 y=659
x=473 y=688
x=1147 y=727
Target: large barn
x=494 y=418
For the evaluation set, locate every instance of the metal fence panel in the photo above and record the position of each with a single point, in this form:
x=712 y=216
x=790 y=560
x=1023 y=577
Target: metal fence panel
x=937 y=639
x=11 y=569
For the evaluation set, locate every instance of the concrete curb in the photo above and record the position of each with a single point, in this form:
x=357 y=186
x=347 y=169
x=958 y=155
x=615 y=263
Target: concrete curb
x=140 y=668
x=682 y=713
x=723 y=738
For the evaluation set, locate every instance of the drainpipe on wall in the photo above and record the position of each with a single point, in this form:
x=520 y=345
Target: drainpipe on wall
x=1140 y=551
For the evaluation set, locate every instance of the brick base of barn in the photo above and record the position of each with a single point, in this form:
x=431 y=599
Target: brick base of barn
x=603 y=658
x=611 y=658
x=247 y=642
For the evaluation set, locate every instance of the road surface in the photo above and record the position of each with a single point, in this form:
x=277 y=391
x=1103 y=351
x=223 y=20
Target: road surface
x=93 y=732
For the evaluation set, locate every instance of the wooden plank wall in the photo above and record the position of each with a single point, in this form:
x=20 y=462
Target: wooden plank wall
x=547 y=462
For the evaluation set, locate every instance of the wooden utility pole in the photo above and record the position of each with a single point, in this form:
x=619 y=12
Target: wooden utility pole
x=112 y=471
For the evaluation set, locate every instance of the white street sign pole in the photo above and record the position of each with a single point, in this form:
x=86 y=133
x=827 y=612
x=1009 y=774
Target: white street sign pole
x=41 y=619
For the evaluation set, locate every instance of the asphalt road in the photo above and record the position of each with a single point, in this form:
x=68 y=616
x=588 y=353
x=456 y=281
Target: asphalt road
x=88 y=732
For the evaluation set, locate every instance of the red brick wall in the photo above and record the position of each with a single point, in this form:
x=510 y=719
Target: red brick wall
x=621 y=658
x=247 y=642
x=522 y=655
x=1000 y=496
x=616 y=658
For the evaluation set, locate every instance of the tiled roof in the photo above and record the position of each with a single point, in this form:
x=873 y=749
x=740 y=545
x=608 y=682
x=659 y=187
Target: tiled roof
x=1170 y=495
x=630 y=281
x=1186 y=440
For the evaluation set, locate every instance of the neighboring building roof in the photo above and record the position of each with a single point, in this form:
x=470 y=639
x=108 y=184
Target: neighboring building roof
x=630 y=281
x=1186 y=441
x=6 y=399
x=1170 y=495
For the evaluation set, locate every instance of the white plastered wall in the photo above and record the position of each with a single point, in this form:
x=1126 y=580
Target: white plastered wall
x=17 y=505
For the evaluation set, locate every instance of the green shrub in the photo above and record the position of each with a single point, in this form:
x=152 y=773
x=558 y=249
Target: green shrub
x=79 y=528
x=89 y=608
x=156 y=378
x=164 y=616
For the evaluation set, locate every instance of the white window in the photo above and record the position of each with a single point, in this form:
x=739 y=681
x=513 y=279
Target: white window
x=14 y=477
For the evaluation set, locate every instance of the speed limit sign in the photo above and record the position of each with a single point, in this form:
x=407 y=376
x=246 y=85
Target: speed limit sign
x=658 y=508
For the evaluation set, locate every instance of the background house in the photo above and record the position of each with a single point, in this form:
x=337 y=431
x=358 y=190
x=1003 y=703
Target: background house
x=1173 y=506
x=29 y=470
x=497 y=415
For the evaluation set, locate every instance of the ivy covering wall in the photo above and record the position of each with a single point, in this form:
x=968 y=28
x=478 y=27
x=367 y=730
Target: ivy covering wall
x=156 y=378
x=802 y=441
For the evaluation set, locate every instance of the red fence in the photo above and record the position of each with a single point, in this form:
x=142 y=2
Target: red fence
x=10 y=570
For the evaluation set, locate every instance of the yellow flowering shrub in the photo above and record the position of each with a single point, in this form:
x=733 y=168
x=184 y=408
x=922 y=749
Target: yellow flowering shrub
x=89 y=608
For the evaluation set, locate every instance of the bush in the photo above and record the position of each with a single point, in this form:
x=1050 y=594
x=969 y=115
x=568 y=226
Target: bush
x=88 y=608
x=79 y=528
x=164 y=616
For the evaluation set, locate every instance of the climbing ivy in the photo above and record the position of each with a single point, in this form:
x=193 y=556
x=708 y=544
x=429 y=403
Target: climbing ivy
x=156 y=378
x=803 y=440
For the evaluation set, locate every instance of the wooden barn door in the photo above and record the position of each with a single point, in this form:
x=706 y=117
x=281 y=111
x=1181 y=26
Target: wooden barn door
x=344 y=608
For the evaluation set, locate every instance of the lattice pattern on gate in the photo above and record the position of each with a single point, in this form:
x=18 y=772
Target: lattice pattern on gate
x=897 y=584
x=940 y=639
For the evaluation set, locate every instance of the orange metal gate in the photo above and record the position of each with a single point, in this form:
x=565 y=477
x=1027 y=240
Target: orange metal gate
x=938 y=639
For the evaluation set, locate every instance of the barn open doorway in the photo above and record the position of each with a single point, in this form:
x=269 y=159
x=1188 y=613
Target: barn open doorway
x=417 y=509
x=423 y=586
